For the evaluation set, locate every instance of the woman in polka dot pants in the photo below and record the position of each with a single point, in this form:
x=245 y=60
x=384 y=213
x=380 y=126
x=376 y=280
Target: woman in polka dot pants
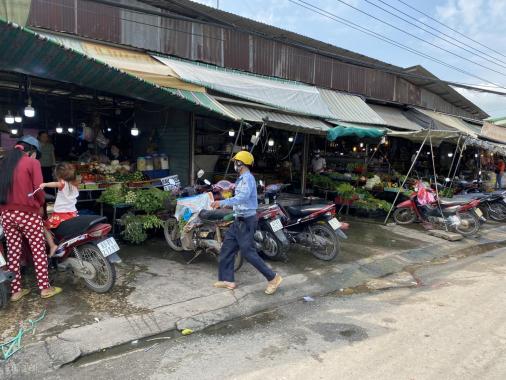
x=20 y=207
x=18 y=225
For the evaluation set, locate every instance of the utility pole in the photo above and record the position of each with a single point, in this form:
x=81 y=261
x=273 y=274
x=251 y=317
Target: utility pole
x=217 y=4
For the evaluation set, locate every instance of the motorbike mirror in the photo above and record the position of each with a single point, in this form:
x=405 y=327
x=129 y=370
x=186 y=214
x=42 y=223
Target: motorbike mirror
x=207 y=182
x=200 y=173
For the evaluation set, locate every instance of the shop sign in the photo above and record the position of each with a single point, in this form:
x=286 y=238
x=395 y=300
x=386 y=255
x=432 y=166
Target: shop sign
x=171 y=183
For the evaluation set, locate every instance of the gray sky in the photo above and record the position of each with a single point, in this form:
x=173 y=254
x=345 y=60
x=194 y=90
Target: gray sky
x=481 y=20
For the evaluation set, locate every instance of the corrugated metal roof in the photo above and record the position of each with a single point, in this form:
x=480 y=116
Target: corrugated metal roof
x=395 y=118
x=350 y=108
x=65 y=60
x=450 y=121
x=286 y=95
x=277 y=119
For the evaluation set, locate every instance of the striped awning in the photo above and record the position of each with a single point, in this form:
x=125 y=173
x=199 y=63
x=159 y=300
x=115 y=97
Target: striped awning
x=277 y=119
x=24 y=51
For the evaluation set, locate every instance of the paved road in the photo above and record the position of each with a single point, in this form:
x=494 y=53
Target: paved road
x=452 y=327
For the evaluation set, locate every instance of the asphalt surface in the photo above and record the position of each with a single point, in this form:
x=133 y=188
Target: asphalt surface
x=451 y=326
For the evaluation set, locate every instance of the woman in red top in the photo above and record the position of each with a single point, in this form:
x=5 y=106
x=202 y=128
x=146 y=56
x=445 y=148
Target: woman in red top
x=20 y=212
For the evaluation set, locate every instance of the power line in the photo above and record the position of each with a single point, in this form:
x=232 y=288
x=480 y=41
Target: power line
x=464 y=47
x=381 y=37
x=447 y=27
x=419 y=38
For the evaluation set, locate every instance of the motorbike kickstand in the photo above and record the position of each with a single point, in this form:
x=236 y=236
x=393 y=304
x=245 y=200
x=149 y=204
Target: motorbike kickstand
x=197 y=254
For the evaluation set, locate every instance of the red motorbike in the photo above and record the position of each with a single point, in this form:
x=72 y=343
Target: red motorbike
x=462 y=216
x=85 y=249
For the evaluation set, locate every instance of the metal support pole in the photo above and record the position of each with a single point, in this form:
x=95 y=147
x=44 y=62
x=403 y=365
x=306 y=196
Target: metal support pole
x=233 y=148
x=407 y=175
x=192 y=148
x=435 y=180
x=305 y=162
x=454 y=156
x=262 y=128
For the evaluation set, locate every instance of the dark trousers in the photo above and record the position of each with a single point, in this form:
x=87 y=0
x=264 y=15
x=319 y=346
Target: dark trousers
x=498 y=180
x=240 y=236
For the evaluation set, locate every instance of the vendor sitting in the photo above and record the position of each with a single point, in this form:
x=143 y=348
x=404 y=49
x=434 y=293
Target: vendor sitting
x=114 y=154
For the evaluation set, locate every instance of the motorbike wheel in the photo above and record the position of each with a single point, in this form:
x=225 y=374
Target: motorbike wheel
x=4 y=295
x=272 y=248
x=332 y=246
x=469 y=224
x=404 y=216
x=173 y=234
x=105 y=271
x=497 y=211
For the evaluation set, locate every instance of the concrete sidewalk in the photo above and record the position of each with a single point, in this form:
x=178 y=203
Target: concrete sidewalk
x=158 y=292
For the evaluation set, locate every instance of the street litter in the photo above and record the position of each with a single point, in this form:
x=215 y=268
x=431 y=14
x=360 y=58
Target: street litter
x=151 y=347
x=308 y=299
x=134 y=341
x=187 y=332
x=12 y=346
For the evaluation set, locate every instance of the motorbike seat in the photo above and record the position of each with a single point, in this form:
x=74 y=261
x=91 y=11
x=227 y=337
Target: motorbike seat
x=452 y=202
x=301 y=211
x=214 y=216
x=78 y=225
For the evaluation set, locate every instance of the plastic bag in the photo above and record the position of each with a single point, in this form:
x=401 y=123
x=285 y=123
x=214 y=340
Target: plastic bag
x=186 y=207
x=424 y=195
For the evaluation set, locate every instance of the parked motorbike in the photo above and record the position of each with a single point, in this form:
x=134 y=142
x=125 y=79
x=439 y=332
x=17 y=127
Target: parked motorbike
x=312 y=226
x=85 y=250
x=204 y=229
x=463 y=217
x=5 y=276
x=492 y=205
x=270 y=236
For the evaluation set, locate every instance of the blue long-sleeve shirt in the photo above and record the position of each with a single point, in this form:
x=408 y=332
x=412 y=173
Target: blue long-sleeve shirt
x=244 y=202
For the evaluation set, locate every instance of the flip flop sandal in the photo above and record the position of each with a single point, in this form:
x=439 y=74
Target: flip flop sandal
x=19 y=295
x=224 y=285
x=55 y=290
x=271 y=288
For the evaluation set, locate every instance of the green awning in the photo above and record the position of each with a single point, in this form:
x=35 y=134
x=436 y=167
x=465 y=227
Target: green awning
x=346 y=129
x=24 y=51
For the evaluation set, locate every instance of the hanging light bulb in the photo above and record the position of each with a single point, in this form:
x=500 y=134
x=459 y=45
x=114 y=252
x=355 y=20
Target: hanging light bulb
x=271 y=142
x=18 y=118
x=450 y=155
x=231 y=133
x=29 y=110
x=341 y=154
x=257 y=133
x=59 y=128
x=9 y=119
x=70 y=130
x=290 y=139
x=14 y=131
x=354 y=148
x=361 y=144
x=109 y=129
x=476 y=155
x=428 y=153
x=134 y=131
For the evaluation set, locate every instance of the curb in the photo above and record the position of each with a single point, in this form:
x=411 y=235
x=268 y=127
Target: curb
x=54 y=352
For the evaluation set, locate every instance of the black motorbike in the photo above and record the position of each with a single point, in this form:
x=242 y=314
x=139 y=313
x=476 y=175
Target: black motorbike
x=310 y=225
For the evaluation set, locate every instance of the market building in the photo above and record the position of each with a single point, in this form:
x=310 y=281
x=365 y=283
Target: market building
x=178 y=86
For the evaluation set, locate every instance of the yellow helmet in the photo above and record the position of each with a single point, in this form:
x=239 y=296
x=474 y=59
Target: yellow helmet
x=245 y=157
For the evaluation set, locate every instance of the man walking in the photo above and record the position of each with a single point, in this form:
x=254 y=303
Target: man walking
x=240 y=235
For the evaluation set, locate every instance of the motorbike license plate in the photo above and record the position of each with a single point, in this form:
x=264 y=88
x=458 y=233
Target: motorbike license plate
x=478 y=212
x=335 y=224
x=2 y=260
x=108 y=247
x=276 y=225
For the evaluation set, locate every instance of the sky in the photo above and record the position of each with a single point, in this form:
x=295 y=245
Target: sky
x=481 y=20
